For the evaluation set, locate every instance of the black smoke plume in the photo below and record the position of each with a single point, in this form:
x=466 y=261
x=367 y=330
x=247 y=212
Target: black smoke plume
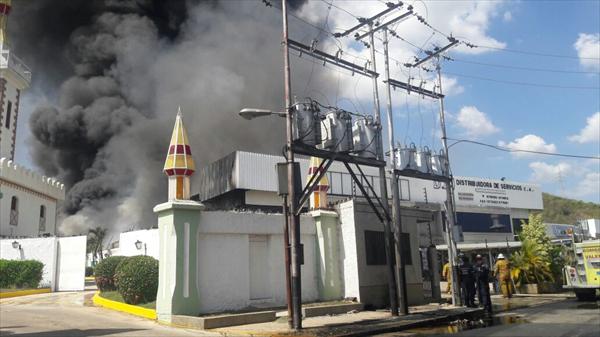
x=118 y=70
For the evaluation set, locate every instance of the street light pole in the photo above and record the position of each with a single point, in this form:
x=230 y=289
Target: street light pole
x=292 y=198
x=396 y=216
x=383 y=186
x=452 y=250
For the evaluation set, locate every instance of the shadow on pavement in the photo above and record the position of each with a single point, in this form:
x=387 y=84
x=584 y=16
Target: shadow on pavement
x=66 y=333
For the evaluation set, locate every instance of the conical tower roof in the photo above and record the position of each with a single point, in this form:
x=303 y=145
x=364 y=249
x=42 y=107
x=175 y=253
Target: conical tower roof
x=179 y=158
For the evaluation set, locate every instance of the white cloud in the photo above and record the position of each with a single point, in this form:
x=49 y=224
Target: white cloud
x=546 y=173
x=507 y=17
x=475 y=122
x=588 y=187
x=530 y=143
x=591 y=131
x=588 y=49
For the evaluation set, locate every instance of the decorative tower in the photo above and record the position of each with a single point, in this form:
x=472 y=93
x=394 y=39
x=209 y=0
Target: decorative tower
x=14 y=78
x=318 y=198
x=178 y=221
x=179 y=165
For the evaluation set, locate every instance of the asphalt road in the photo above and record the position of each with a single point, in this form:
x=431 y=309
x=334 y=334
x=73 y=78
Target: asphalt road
x=568 y=318
x=71 y=315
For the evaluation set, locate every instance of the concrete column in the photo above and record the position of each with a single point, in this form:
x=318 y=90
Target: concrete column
x=178 y=230
x=330 y=278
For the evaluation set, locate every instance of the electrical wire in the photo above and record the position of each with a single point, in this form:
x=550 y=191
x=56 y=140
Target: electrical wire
x=544 y=85
x=526 y=52
x=505 y=149
x=525 y=68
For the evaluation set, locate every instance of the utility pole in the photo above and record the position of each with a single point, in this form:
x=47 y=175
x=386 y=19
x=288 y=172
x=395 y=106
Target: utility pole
x=450 y=211
x=396 y=216
x=383 y=184
x=295 y=249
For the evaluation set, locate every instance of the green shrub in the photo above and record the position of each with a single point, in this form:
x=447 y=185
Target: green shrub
x=20 y=273
x=89 y=271
x=137 y=279
x=104 y=272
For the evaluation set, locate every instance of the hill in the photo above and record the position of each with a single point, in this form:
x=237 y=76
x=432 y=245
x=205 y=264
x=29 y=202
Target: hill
x=563 y=210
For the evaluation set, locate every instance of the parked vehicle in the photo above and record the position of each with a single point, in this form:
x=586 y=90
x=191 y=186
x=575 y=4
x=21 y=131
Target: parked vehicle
x=583 y=274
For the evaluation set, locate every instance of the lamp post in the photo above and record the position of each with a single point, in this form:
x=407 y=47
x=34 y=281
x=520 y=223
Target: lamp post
x=16 y=245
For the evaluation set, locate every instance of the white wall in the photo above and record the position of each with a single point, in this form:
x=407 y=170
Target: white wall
x=63 y=259
x=127 y=240
x=224 y=266
x=29 y=213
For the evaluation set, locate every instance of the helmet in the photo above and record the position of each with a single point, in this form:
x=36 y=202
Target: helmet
x=478 y=257
x=500 y=256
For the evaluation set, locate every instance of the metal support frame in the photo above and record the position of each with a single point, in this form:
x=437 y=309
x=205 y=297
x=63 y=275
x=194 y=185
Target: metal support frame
x=312 y=183
x=382 y=218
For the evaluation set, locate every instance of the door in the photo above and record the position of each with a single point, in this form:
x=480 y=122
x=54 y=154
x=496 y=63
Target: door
x=259 y=267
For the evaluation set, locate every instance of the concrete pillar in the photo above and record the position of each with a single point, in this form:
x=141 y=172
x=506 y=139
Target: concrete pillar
x=178 y=230
x=330 y=278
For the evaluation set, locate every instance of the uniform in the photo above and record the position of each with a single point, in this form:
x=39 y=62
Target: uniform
x=502 y=273
x=482 y=279
x=467 y=283
x=447 y=274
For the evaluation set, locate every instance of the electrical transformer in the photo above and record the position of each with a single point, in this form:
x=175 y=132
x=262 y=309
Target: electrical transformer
x=364 y=137
x=423 y=160
x=307 y=123
x=405 y=157
x=336 y=131
x=438 y=164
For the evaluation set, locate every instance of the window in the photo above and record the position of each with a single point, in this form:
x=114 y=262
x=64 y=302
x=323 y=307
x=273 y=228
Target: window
x=375 y=248
x=484 y=223
x=14 y=211
x=42 y=227
x=8 y=112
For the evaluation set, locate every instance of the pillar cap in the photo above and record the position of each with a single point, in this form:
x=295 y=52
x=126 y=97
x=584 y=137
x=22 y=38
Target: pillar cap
x=179 y=204
x=323 y=212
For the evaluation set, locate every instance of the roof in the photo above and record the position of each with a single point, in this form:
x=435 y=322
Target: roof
x=179 y=158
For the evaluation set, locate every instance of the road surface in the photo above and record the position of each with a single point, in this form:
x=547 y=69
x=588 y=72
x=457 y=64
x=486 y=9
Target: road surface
x=71 y=315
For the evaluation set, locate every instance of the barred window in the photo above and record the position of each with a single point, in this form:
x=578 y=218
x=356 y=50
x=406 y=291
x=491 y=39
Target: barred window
x=14 y=211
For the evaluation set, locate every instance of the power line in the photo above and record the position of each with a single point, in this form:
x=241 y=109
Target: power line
x=544 y=85
x=505 y=149
x=526 y=52
x=525 y=68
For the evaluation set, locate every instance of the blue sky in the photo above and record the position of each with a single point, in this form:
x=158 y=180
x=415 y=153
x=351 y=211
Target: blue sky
x=557 y=120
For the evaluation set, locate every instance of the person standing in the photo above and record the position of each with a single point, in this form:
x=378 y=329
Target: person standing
x=467 y=281
x=502 y=273
x=482 y=280
x=447 y=276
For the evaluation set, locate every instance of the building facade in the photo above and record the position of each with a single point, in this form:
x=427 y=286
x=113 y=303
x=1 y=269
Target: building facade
x=27 y=200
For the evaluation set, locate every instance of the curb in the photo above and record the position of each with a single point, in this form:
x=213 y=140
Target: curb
x=123 y=307
x=19 y=293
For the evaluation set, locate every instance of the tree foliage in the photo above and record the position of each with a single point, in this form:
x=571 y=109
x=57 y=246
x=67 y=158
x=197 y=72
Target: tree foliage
x=568 y=211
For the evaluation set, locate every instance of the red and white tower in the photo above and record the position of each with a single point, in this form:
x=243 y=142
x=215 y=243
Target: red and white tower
x=179 y=165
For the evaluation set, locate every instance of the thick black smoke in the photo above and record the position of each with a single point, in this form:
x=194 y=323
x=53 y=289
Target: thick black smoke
x=119 y=69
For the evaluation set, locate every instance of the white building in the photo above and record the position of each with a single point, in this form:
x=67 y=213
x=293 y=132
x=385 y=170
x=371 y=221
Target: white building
x=27 y=200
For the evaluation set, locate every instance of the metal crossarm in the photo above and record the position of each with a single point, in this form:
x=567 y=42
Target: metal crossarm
x=384 y=25
x=433 y=54
x=410 y=87
x=328 y=58
x=366 y=21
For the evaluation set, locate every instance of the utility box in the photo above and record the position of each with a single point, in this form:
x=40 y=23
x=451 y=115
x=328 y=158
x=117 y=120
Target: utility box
x=282 y=179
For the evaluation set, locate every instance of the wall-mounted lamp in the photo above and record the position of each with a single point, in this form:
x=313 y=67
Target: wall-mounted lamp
x=16 y=245
x=139 y=244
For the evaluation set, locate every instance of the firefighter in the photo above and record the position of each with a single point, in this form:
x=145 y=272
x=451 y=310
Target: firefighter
x=447 y=275
x=467 y=281
x=482 y=280
x=502 y=273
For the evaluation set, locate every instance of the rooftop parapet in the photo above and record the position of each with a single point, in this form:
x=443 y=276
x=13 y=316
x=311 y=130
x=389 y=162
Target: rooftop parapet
x=32 y=180
x=10 y=62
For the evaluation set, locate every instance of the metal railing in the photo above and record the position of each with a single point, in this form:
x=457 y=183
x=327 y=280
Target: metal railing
x=8 y=60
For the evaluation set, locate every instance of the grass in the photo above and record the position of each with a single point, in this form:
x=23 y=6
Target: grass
x=115 y=296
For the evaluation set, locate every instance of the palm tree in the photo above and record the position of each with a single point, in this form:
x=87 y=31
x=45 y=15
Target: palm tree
x=531 y=264
x=98 y=235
